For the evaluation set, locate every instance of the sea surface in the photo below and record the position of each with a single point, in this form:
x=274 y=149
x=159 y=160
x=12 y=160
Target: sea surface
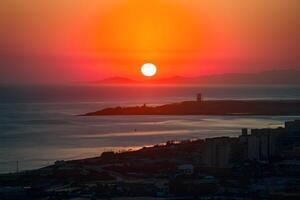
x=39 y=125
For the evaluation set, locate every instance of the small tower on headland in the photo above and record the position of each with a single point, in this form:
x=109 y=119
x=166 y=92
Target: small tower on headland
x=199 y=97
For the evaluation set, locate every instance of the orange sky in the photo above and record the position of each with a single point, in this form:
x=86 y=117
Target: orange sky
x=71 y=40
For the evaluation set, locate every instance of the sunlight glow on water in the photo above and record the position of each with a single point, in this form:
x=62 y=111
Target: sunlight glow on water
x=37 y=134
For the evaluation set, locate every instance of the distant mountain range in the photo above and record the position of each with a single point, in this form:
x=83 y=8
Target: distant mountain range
x=284 y=77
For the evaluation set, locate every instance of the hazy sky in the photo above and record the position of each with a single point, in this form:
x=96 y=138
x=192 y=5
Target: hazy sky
x=55 y=41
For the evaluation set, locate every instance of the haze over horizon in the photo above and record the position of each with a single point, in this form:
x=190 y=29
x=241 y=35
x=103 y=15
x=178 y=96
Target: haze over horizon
x=62 y=41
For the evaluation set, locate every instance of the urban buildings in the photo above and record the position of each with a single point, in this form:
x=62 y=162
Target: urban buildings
x=217 y=152
x=261 y=164
x=263 y=145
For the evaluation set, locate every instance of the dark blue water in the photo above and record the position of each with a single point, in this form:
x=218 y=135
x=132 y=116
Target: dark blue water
x=38 y=125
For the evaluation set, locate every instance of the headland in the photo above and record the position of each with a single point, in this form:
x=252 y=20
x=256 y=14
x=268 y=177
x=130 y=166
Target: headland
x=210 y=107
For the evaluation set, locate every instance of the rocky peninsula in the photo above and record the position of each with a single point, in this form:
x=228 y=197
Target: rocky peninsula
x=210 y=107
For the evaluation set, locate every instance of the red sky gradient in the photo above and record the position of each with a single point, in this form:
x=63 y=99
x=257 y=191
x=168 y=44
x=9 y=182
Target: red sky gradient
x=61 y=41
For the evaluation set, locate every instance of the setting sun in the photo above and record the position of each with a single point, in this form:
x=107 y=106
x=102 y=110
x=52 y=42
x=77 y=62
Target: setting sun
x=148 y=69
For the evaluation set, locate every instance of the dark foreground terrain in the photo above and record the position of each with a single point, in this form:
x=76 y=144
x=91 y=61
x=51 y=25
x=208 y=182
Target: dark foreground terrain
x=261 y=164
x=219 y=107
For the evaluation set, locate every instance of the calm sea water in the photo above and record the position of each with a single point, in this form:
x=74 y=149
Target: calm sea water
x=38 y=125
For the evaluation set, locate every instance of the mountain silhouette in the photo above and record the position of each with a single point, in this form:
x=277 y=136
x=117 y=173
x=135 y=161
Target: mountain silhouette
x=274 y=77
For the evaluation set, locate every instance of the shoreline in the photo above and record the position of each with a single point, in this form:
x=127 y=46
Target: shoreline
x=207 y=167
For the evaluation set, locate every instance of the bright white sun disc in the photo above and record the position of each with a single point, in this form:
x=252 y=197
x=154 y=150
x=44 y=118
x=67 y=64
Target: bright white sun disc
x=148 y=69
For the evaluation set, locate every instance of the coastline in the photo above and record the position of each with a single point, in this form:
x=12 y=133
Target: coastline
x=189 y=168
x=210 y=107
